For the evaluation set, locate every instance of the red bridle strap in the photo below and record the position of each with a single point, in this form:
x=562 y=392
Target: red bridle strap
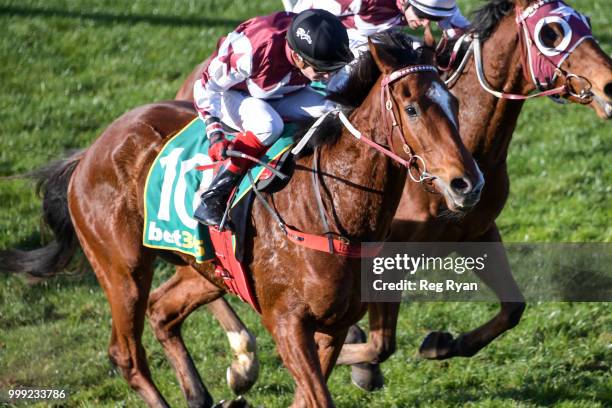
x=388 y=106
x=371 y=143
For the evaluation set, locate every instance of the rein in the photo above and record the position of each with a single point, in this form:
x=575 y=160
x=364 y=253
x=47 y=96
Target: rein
x=387 y=105
x=504 y=95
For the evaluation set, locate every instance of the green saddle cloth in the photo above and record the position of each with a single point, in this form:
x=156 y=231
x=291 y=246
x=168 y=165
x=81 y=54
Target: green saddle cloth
x=174 y=186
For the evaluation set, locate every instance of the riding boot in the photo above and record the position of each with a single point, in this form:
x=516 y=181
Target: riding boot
x=214 y=200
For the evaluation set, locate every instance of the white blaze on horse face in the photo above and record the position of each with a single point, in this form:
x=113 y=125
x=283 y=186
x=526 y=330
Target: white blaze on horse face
x=442 y=97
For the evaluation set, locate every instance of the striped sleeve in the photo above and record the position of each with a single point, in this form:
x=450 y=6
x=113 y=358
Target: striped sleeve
x=231 y=65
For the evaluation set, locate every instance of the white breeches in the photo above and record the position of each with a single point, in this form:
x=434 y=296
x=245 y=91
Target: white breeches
x=265 y=117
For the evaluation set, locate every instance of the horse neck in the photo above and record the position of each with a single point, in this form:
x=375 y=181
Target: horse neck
x=487 y=122
x=363 y=187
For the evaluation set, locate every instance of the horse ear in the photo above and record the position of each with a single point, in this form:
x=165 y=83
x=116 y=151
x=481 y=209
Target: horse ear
x=383 y=59
x=428 y=55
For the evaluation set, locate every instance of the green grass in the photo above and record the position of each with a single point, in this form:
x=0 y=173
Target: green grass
x=69 y=67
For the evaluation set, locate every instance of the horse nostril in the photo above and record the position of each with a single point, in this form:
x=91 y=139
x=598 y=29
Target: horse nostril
x=461 y=185
x=608 y=90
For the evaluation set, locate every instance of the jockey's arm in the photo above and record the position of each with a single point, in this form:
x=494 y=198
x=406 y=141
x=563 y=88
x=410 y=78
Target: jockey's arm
x=225 y=70
x=454 y=25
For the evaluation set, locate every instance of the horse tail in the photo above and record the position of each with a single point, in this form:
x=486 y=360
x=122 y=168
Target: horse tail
x=52 y=184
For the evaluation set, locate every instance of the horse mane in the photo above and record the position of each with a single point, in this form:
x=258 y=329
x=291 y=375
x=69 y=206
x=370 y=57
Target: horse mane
x=365 y=72
x=486 y=18
x=363 y=75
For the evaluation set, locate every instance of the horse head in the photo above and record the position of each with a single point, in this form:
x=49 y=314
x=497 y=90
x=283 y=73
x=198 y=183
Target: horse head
x=558 y=45
x=420 y=122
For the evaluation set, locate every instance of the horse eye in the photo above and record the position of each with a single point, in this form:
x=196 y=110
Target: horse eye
x=550 y=35
x=412 y=111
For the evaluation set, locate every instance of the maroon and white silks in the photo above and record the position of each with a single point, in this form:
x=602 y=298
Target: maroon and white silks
x=363 y=18
x=253 y=58
x=247 y=76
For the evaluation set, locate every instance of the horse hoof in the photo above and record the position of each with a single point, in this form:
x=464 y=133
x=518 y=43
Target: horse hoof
x=241 y=378
x=239 y=402
x=367 y=377
x=437 y=346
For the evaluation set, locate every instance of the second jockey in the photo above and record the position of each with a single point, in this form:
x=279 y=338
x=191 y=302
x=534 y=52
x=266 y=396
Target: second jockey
x=364 y=18
x=258 y=77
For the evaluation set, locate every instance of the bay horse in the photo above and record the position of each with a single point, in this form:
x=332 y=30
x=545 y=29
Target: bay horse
x=308 y=298
x=487 y=124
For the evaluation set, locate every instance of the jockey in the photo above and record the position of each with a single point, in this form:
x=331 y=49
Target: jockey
x=257 y=77
x=362 y=18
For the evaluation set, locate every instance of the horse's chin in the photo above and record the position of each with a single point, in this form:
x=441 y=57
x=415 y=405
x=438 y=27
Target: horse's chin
x=456 y=208
x=450 y=211
x=456 y=205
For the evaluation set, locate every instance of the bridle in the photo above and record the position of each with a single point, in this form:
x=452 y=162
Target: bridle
x=545 y=61
x=387 y=101
x=533 y=59
x=387 y=104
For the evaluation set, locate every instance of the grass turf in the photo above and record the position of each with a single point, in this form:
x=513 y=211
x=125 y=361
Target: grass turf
x=69 y=67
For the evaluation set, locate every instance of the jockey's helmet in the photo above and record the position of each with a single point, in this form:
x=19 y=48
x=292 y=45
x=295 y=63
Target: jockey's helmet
x=320 y=39
x=432 y=9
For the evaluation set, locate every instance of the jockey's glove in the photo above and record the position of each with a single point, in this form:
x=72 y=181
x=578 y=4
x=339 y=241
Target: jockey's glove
x=216 y=136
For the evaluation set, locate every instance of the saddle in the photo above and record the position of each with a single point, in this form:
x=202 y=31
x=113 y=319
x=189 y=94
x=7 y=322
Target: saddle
x=173 y=190
x=228 y=243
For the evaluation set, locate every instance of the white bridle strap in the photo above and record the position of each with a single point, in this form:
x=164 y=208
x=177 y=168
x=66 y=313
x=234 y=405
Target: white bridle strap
x=503 y=95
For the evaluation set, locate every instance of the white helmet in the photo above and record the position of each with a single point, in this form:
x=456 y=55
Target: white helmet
x=434 y=8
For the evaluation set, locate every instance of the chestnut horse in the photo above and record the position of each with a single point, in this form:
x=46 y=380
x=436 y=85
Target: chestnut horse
x=487 y=124
x=308 y=298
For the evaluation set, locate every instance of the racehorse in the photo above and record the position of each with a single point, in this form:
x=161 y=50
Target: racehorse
x=487 y=120
x=308 y=298
x=487 y=123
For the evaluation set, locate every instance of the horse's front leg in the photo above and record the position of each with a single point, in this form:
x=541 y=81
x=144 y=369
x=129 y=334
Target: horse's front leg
x=328 y=348
x=169 y=305
x=244 y=370
x=442 y=345
x=294 y=334
x=365 y=358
